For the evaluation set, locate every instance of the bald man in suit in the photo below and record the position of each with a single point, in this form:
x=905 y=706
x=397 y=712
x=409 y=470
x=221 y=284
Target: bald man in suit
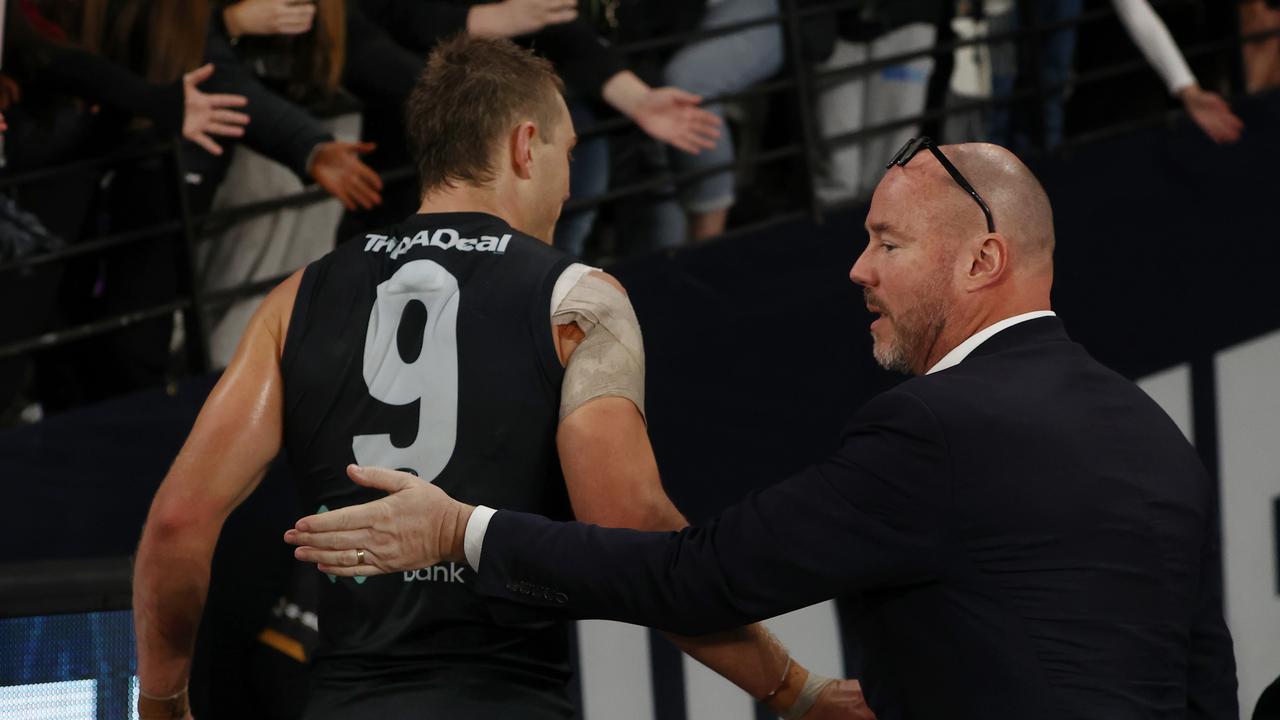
x=1030 y=535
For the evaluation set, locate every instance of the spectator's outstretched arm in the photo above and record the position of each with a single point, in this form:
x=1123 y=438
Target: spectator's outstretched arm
x=205 y=115
x=290 y=135
x=268 y=17
x=234 y=440
x=515 y=18
x=179 y=107
x=419 y=25
x=378 y=68
x=280 y=129
x=668 y=114
x=1151 y=35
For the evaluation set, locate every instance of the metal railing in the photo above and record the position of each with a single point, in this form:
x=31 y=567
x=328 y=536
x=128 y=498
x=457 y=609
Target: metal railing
x=799 y=78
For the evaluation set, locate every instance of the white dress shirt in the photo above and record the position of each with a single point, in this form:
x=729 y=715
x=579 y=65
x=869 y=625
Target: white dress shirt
x=478 y=525
x=961 y=351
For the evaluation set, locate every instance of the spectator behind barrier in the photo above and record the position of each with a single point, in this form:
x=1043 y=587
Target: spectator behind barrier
x=1057 y=53
x=118 y=80
x=1261 y=57
x=591 y=68
x=305 y=64
x=712 y=67
x=298 y=52
x=48 y=52
x=848 y=103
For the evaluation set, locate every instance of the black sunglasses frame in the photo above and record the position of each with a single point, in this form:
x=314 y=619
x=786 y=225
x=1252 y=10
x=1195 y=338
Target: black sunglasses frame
x=915 y=145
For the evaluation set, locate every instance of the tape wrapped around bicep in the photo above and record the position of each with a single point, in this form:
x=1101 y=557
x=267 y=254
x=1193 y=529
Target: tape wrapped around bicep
x=609 y=362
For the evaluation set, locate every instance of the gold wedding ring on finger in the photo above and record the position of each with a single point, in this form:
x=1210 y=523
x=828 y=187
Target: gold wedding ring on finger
x=359 y=557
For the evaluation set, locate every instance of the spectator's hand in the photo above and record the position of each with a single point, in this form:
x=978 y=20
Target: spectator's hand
x=513 y=18
x=338 y=169
x=269 y=17
x=673 y=116
x=1212 y=114
x=204 y=115
x=841 y=700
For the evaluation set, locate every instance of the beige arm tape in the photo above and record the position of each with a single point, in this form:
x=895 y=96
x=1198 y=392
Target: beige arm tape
x=609 y=362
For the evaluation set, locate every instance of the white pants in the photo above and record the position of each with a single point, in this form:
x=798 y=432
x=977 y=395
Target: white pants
x=265 y=246
x=852 y=170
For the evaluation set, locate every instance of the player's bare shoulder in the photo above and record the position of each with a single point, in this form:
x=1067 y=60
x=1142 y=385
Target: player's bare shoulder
x=273 y=314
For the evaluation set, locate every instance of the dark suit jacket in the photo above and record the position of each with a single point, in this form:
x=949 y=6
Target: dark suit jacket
x=1030 y=535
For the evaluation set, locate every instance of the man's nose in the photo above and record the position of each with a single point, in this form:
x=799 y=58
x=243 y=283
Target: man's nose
x=861 y=272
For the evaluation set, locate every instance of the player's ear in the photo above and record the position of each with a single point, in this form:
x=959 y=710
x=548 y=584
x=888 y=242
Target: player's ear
x=522 y=139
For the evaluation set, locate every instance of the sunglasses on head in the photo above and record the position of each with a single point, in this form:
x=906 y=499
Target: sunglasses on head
x=915 y=145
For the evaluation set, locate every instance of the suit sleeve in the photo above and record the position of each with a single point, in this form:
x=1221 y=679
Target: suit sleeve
x=871 y=516
x=1211 y=681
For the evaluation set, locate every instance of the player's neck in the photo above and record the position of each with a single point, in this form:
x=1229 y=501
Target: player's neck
x=468 y=198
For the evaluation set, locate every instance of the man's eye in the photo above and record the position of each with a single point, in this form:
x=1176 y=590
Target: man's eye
x=888 y=248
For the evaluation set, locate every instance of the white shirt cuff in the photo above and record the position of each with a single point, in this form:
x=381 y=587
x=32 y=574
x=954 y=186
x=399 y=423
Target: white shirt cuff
x=473 y=536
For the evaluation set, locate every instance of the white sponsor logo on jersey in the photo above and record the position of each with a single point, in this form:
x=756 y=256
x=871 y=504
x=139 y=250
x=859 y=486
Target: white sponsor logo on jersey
x=444 y=238
x=444 y=572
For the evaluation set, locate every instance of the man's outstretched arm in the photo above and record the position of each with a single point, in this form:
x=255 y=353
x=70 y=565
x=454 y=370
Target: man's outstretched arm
x=874 y=515
x=613 y=481
x=234 y=440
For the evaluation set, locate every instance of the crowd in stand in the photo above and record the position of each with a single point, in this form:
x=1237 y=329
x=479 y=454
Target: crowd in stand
x=272 y=96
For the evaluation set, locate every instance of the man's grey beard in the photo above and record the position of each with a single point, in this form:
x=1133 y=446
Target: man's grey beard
x=916 y=329
x=890 y=356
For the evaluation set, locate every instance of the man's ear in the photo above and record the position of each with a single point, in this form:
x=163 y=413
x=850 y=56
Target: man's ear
x=522 y=139
x=988 y=261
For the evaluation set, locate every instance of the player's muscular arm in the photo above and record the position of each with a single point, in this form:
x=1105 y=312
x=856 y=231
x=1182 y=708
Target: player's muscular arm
x=235 y=438
x=613 y=481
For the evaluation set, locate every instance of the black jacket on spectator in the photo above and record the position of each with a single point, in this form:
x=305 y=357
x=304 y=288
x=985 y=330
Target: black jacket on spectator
x=50 y=68
x=378 y=70
x=582 y=58
x=278 y=128
x=878 y=17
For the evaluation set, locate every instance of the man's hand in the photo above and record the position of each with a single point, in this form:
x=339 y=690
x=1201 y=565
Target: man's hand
x=672 y=115
x=336 y=167
x=204 y=115
x=513 y=18
x=841 y=700
x=269 y=17
x=1212 y=114
x=417 y=525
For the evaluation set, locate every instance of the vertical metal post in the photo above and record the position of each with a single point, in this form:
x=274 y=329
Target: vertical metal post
x=800 y=70
x=1237 y=78
x=194 y=320
x=1030 y=42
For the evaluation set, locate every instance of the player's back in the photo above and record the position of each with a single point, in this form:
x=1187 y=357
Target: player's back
x=428 y=347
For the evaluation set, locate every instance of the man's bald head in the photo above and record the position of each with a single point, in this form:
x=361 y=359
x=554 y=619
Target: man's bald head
x=1018 y=203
